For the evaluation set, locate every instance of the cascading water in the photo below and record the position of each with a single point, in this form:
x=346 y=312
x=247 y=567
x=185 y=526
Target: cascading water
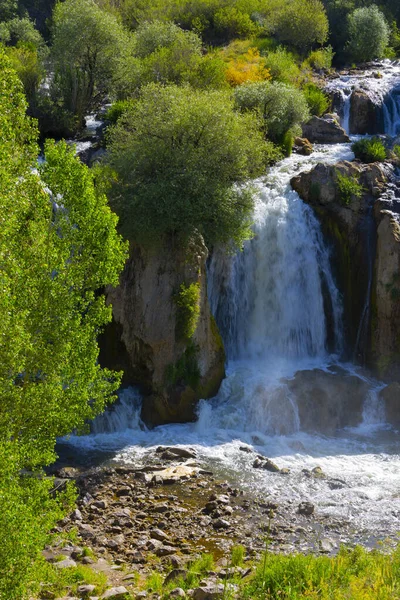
x=279 y=312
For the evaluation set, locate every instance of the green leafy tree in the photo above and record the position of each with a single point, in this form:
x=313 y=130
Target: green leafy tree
x=58 y=247
x=87 y=46
x=368 y=34
x=8 y=9
x=302 y=24
x=181 y=160
x=281 y=107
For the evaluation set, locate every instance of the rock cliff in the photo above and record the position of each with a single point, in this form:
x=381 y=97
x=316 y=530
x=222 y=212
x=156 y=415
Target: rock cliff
x=365 y=236
x=148 y=339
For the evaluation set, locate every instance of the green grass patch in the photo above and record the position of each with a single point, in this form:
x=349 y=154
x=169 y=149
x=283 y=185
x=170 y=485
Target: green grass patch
x=349 y=188
x=369 y=150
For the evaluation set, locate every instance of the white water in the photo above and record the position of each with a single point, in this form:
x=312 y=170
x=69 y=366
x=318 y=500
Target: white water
x=382 y=84
x=269 y=305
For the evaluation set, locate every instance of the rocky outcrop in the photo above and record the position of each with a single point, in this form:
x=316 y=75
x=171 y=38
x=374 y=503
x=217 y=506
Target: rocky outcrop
x=148 y=340
x=350 y=224
x=302 y=146
x=385 y=314
x=325 y=130
x=390 y=396
x=365 y=116
x=328 y=401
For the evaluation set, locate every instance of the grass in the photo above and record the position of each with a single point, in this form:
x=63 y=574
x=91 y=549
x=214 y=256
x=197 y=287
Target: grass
x=349 y=188
x=354 y=574
x=369 y=150
x=59 y=581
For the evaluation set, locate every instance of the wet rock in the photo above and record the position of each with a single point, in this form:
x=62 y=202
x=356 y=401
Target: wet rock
x=181 y=452
x=268 y=465
x=246 y=449
x=324 y=130
x=318 y=473
x=364 y=114
x=336 y=484
x=306 y=508
x=302 y=146
x=257 y=464
x=116 y=593
x=390 y=396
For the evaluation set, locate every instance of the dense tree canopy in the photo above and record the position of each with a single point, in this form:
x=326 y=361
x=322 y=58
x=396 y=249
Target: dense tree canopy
x=58 y=247
x=181 y=159
x=368 y=34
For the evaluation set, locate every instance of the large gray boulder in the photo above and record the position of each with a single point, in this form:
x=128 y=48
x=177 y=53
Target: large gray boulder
x=324 y=130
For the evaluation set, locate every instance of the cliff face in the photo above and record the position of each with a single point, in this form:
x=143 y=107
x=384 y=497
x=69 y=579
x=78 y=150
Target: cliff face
x=149 y=340
x=365 y=236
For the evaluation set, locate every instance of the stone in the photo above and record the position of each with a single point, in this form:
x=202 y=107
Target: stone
x=324 y=130
x=181 y=452
x=318 y=473
x=326 y=546
x=157 y=534
x=76 y=515
x=65 y=564
x=86 y=531
x=116 y=593
x=123 y=491
x=165 y=551
x=302 y=146
x=86 y=590
x=142 y=341
x=177 y=593
x=175 y=574
x=221 y=524
x=306 y=508
x=268 y=465
x=390 y=395
x=102 y=504
x=210 y=591
x=364 y=115
x=141 y=595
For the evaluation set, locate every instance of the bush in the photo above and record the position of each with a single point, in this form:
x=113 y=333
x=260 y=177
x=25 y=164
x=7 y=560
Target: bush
x=181 y=158
x=153 y=36
x=368 y=34
x=302 y=23
x=320 y=59
x=280 y=107
x=246 y=68
x=369 y=150
x=282 y=66
x=348 y=187
x=229 y=23
x=187 y=310
x=318 y=102
x=116 y=110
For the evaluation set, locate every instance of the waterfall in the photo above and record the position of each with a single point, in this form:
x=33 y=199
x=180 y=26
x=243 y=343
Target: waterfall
x=124 y=414
x=269 y=299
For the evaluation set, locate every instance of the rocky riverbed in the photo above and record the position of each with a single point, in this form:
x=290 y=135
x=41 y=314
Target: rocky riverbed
x=163 y=516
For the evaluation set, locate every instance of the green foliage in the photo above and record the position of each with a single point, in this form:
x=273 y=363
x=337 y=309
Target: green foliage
x=321 y=59
x=21 y=31
x=282 y=66
x=238 y=554
x=302 y=23
x=348 y=187
x=369 y=150
x=58 y=247
x=355 y=574
x=368 y=34
x=318 y=102
x=8 y=9
x=153 y=36
x=188 y=310
x=281 y=107
x=186 y=369
x=229 y=23
x=396 y=151
x=154 y=582
x=29 y=68
x=87 y=47
x=116 y=110
x=182 y=159
x=61 y=581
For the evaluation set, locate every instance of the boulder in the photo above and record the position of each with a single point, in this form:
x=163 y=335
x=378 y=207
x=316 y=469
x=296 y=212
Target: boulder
x=211 y=591
x=302 y=146
x=364 y=114
x=324 y=130
x=327 y=401
x=390 y=396
x=145 y=340
x=116 y=593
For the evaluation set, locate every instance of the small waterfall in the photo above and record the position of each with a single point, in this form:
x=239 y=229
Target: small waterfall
x=124 y=414
x=269 y=299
